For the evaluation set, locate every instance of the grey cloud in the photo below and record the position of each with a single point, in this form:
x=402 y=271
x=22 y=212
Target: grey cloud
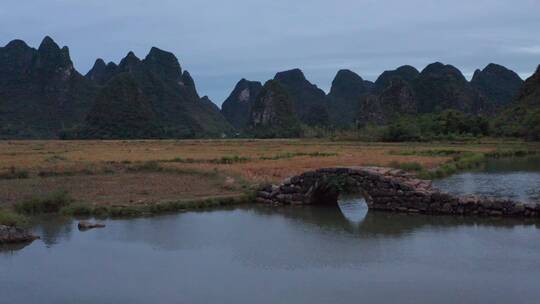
x=220 y=42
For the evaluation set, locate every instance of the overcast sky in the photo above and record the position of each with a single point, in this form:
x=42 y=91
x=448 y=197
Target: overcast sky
x=222 y=41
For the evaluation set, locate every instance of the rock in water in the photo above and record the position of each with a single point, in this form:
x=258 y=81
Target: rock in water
x=85 y=225
x=11 y=235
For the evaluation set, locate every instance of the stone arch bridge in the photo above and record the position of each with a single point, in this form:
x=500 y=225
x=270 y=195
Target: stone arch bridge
x=386 y=189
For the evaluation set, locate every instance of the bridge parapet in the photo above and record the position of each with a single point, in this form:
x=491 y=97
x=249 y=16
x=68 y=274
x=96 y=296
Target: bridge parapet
x=387 y=189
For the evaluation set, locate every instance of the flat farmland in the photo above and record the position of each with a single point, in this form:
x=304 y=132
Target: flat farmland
x=133 y=172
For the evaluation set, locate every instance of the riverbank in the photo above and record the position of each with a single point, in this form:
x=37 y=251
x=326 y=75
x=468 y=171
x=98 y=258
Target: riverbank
x=137 y=178
x=20 y=214
x=460 y=160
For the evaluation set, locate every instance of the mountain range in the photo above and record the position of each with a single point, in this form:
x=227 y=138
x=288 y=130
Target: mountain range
x=42 y=95
x=522 y=117
x=40 y=90
x=354 y=101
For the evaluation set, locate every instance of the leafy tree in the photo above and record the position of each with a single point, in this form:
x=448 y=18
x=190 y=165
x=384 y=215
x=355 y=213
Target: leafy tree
x=532 y=126
x=402 y=130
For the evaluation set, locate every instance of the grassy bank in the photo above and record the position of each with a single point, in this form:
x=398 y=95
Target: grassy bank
x=460 y=161
x=83 y=209
x=47 y=204
x=11 y=218
x=62 y=203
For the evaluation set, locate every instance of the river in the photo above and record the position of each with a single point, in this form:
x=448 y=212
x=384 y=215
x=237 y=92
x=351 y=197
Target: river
x=258 y=254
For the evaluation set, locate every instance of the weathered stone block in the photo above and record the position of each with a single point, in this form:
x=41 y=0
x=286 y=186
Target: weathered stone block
x=264 y=194
x=284 y=198
x=290 y=189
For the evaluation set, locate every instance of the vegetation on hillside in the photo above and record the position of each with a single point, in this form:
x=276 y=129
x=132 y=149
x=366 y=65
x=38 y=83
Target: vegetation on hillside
x=272 y=115
x=445 y=125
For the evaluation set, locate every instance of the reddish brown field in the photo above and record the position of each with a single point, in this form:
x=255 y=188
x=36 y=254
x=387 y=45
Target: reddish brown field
x=99 y=171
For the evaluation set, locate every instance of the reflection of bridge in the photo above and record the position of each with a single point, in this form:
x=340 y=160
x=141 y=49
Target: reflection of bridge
x=390 y=224
x=388 y=190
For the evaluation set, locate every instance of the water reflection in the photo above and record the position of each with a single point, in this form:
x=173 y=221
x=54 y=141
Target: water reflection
x=53 y=229
x=353 y=207
x=170 y=232
x=294 y=254
x=11 y=249
x=386 y=224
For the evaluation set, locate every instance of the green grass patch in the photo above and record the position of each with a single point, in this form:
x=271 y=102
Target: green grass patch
x=185 y=160
x=464 y=161
x=225 y=160
x=10 y=218
x=154 y=166
x=81 y=209
x=230 y=160
x=407 y=166
x=148 y=166
x=441 y=152
x=512 y=153
x=296 y=154
x=51 y=203
x=55 y=158
x=48 y=173
x=461 y=160
x=234 y=159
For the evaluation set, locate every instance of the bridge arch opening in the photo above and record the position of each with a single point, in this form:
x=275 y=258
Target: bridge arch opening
x=328 y=190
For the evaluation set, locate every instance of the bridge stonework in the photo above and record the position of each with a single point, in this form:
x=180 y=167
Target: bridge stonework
x=388 y=189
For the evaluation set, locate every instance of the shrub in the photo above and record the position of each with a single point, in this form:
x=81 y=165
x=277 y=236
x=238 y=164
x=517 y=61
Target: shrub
x=48 y=204
x=401 y=131
x=184 y=160
x=407 y=166
x=9 y=218
x=78 y=209
x=230 y=160
x=532 y=126
x=14 y=173
x=296 y=154
x=129 y=211
x=411 y=166
x=463 y=161
x=149 y=166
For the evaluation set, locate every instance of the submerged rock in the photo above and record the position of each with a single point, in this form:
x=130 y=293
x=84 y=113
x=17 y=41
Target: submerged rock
x=11 y=235
x=85 y=225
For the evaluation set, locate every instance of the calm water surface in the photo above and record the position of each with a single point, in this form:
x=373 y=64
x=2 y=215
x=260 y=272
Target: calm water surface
x=283 y=255
x=516 y=178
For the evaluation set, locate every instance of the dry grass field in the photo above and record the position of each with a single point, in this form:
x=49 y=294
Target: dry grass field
x=133 y=172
